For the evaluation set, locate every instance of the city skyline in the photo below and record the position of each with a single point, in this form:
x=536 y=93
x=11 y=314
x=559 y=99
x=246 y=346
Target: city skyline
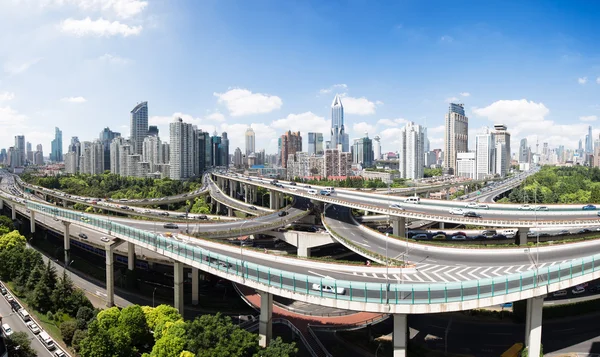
x=92 y=73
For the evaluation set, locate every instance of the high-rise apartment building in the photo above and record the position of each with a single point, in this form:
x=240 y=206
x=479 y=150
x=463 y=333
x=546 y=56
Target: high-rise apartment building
x=523 y=152
x=377 y=148
x=501 y=167
x=71 y=162
x=485 y=149
x=138 y=126
x=151 y=152
x=315 y=144
x=412 y=151
x=298 y=165
x=29 y=153
x=290 y=144
x=456 y=136
x=106 y=137
x=503 y=136
x=337 y=163
x=466 y=165
x=20 y=153
x=56 y=153
x=38 y=156
x=337 y=125
x=362 y=152
x=181 y=150
x=238 y=159
x=589 y=142
x=250 y=141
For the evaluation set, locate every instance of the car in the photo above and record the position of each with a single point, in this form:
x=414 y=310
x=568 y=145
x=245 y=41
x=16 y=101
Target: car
x=542 y=208
x=166 y=214
x=33 y=327
x=565 y=232
x=3 y=290
x=252 y=208
x=324 y=193
x=472 y=205
x=439 y=236
x=459 y=237
x=202 y=216
x=507 y=305
x=292 y=183
x=59 y=353
x=583 y=231
x=588 y=208
x=183 y=215
x=499 y=236
x=9 y=298
x=105 y=239
x=329 y=289
x=471 y=214
x=282 y=213
x=525 y=207
x=293 y=189
x=482 y=206
x=594 y=289
x=421 y=236
x=578 y=290
x=396 y=206
x=146 y=211
x=170 y=226
x=85 y=219
x=489 y=233
x=559 y=293
x=83 y=236
x=7 y=330
x=458 y=211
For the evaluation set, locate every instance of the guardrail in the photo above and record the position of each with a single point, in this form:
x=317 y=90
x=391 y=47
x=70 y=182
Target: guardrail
x=233 y=203
x=308 y=286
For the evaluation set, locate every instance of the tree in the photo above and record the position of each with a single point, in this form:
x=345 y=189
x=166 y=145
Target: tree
x=172 y=341
x=67 y=331
x=84 y=316
x=78 y=336
x=187 y=354
x=278 y=348
x=97 y=342
x=133 y=320
x=7 y=223
x=19 y=345
x=12 y=239
x=34 y=278
x=40 y=298
x=62 y=292
x=156 y=316
x=108 y=318
x=216 y=335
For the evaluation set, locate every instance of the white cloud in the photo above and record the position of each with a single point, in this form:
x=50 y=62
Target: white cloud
x=361 y=128
x=513 y=111
x=14 y=68
x=582 y=80
x=113 y=59
x=598 y=80
x=216 y=116
x=392 y=122
x=588 y=118
x=121 y=8
x=304 y=122
x=241 y=102
x=391 y=137
x=335 y=86
x=6 y=96
x=73 y=99
x=452 y=100
x=359 y=106
x=98 y=28
x=447 y=39
x=10 y=117
x=436 y=130
x=465 y=94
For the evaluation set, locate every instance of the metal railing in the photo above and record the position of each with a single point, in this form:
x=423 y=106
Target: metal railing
x=329 y=288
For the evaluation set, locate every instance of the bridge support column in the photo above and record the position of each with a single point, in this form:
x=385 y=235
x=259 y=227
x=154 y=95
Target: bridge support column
x=400 y=335
x=442 y=225
x=1 y=204
x=231 y=189
x=303 y=249
x=230 y=211
x=194 y=286
x=533 y=325
x=64 y=203
x=273 y=200
x=110 y=276
x=218 y=207
x=245 y=188
x=130 y=256
x=522 y=236
x=265 y=324
x=67 y=242
x=32 y=221
x=13 y=213
x=281 y=200
x=254 y=194
x=399 y=227
x=178 y=281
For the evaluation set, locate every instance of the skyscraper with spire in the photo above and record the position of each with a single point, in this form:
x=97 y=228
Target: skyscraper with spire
x=338 y=132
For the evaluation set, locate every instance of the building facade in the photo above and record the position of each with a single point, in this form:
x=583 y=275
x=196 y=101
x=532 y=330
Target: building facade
x=315 y=144
x=138 y=126
x=502 y=136
x=456 y=137
x=485 y=150
x=337 y=163
x=466 y=165
x=250 y=137
x=56 y=153
x=362 y=152
x=411 y=159
x=290 y=144
x=338 y=131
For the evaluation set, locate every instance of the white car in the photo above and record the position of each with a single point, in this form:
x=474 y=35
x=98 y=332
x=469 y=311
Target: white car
x=105 y=239
x=33 y=327
x=329 y=289
x=7 y=330
x=578 y=290
x=526 y=207
x=146 y=211
x=293 y=189
x=458 y=211
x=472 y=205
x=396 y=206
x=482 y=206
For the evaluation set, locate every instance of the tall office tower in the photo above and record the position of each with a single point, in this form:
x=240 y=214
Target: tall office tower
x=115 y=154
x=29 y=155
x=503 y=136
x=238 y=160
x=11 y=157
x=151 y=152
x=501 y=159
x=456 y=136
x=215 y=147
x=523 y=151
x=107 y=136
x=56 y=146
x=290 y=144
x=97 y=157
x=589 y=144
x=411 y=159
x=181 y=150
x=203 y=151
x=250 y=141
x=426 y=140
x=485 y=150
x=19 y=148
x=346 y=142
x=466 y=165
x=3 y=156
x=138 y=126
x=362 y=151
x=38 y=157
x=152 y=130
x=70 y=162
x=315 y=144
x=336 y=163
x=224 y=150
x=377 y=148
x=337 y=123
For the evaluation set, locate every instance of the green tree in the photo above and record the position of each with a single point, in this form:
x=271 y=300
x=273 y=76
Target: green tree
x=19 y=345
x=97 y=342
x=12 y=239
x=133 y=320
x=108 y=318
x=278 y=348
x=173 y=340
x=67 y=331
x=40 y=298
x=187 y=354
x=84 y=317
x=62 y=292
x=78 y=336
x=7 y=223
x=34 y=278
x=156 y=317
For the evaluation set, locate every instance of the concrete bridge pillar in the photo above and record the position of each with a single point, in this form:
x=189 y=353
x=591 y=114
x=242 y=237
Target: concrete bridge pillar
x=32 y=221
x=442 y=225
x=254 y=196
x=522 y=235
x=229 y=211
x=194 y=286
x=303 y=248
x=67 y=242
x=110 y=276
x=273 y=200
x=533 y=325
x=265 y=324
x=13 y=213
x=130 y=255
x=232 y=189
x=399 y=227
x=245 y=189
x=1 y=204
x=218 y=207
x=400 y=335
x=64 y=203
x=178 y=286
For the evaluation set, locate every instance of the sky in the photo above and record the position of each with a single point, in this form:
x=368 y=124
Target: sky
x=82 y=65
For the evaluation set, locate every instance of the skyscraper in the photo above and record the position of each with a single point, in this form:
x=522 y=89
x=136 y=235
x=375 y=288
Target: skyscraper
x=138 y=126
x=290 y=144
x=502 y=136
x=337 y=124
x=485 y=152
x=152 y=130
x=377 y=148
x=29 y=153
x=589 y=142
x=56 y=146
x=315 y=144
x=181 y=149
x=362 y=151
x=523 y=151
x=412 y=151
x=106 y=137
x=20 y=154
x=224 y=149
x=250 y=141
x=456 y=136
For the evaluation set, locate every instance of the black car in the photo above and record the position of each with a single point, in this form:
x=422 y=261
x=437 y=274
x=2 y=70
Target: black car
x=471 y=214
x=182 y=215
x=282 y=213
x=170 y=226
x=252 y=208
x=499 y=236
x=292 y=183
x=83 y=236
x=594 y=289
x=202 y=216
x=166 y=214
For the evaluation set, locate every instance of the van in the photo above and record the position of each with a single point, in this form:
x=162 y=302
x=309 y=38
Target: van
x=312 y=192
x=509 y=232
x=46 y=340
x=24 y=315
x=329 y=189
x=414 y=200
x=559 y=293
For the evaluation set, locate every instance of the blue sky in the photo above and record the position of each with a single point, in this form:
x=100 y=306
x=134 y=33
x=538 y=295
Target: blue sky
x=82 y=65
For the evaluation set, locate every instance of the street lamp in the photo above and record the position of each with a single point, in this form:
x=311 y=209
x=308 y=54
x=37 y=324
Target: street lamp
x=241 y=248
x=153 y=296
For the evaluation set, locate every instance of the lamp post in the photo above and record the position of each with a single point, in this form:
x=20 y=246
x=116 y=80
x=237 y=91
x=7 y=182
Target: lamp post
x=241 y=249
x=153 y=296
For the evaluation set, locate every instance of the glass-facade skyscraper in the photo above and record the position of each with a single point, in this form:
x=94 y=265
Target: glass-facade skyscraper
x=338 y=133
x=315 y=144
x=138 y=126
x=56 y=152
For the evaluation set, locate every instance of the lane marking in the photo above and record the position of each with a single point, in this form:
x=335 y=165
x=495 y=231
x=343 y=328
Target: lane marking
x=374 y=275
x=429 y=268
x=552 y=264
x=418 y=277
x=542 y=265
x=531 y=267
x=495 y=272
x=407 y=277
x=364 y=274
x=427 y=277
x=459 y=273
x=321 y=275
x=450 y=271
x=472 y=272
x=519 y=268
